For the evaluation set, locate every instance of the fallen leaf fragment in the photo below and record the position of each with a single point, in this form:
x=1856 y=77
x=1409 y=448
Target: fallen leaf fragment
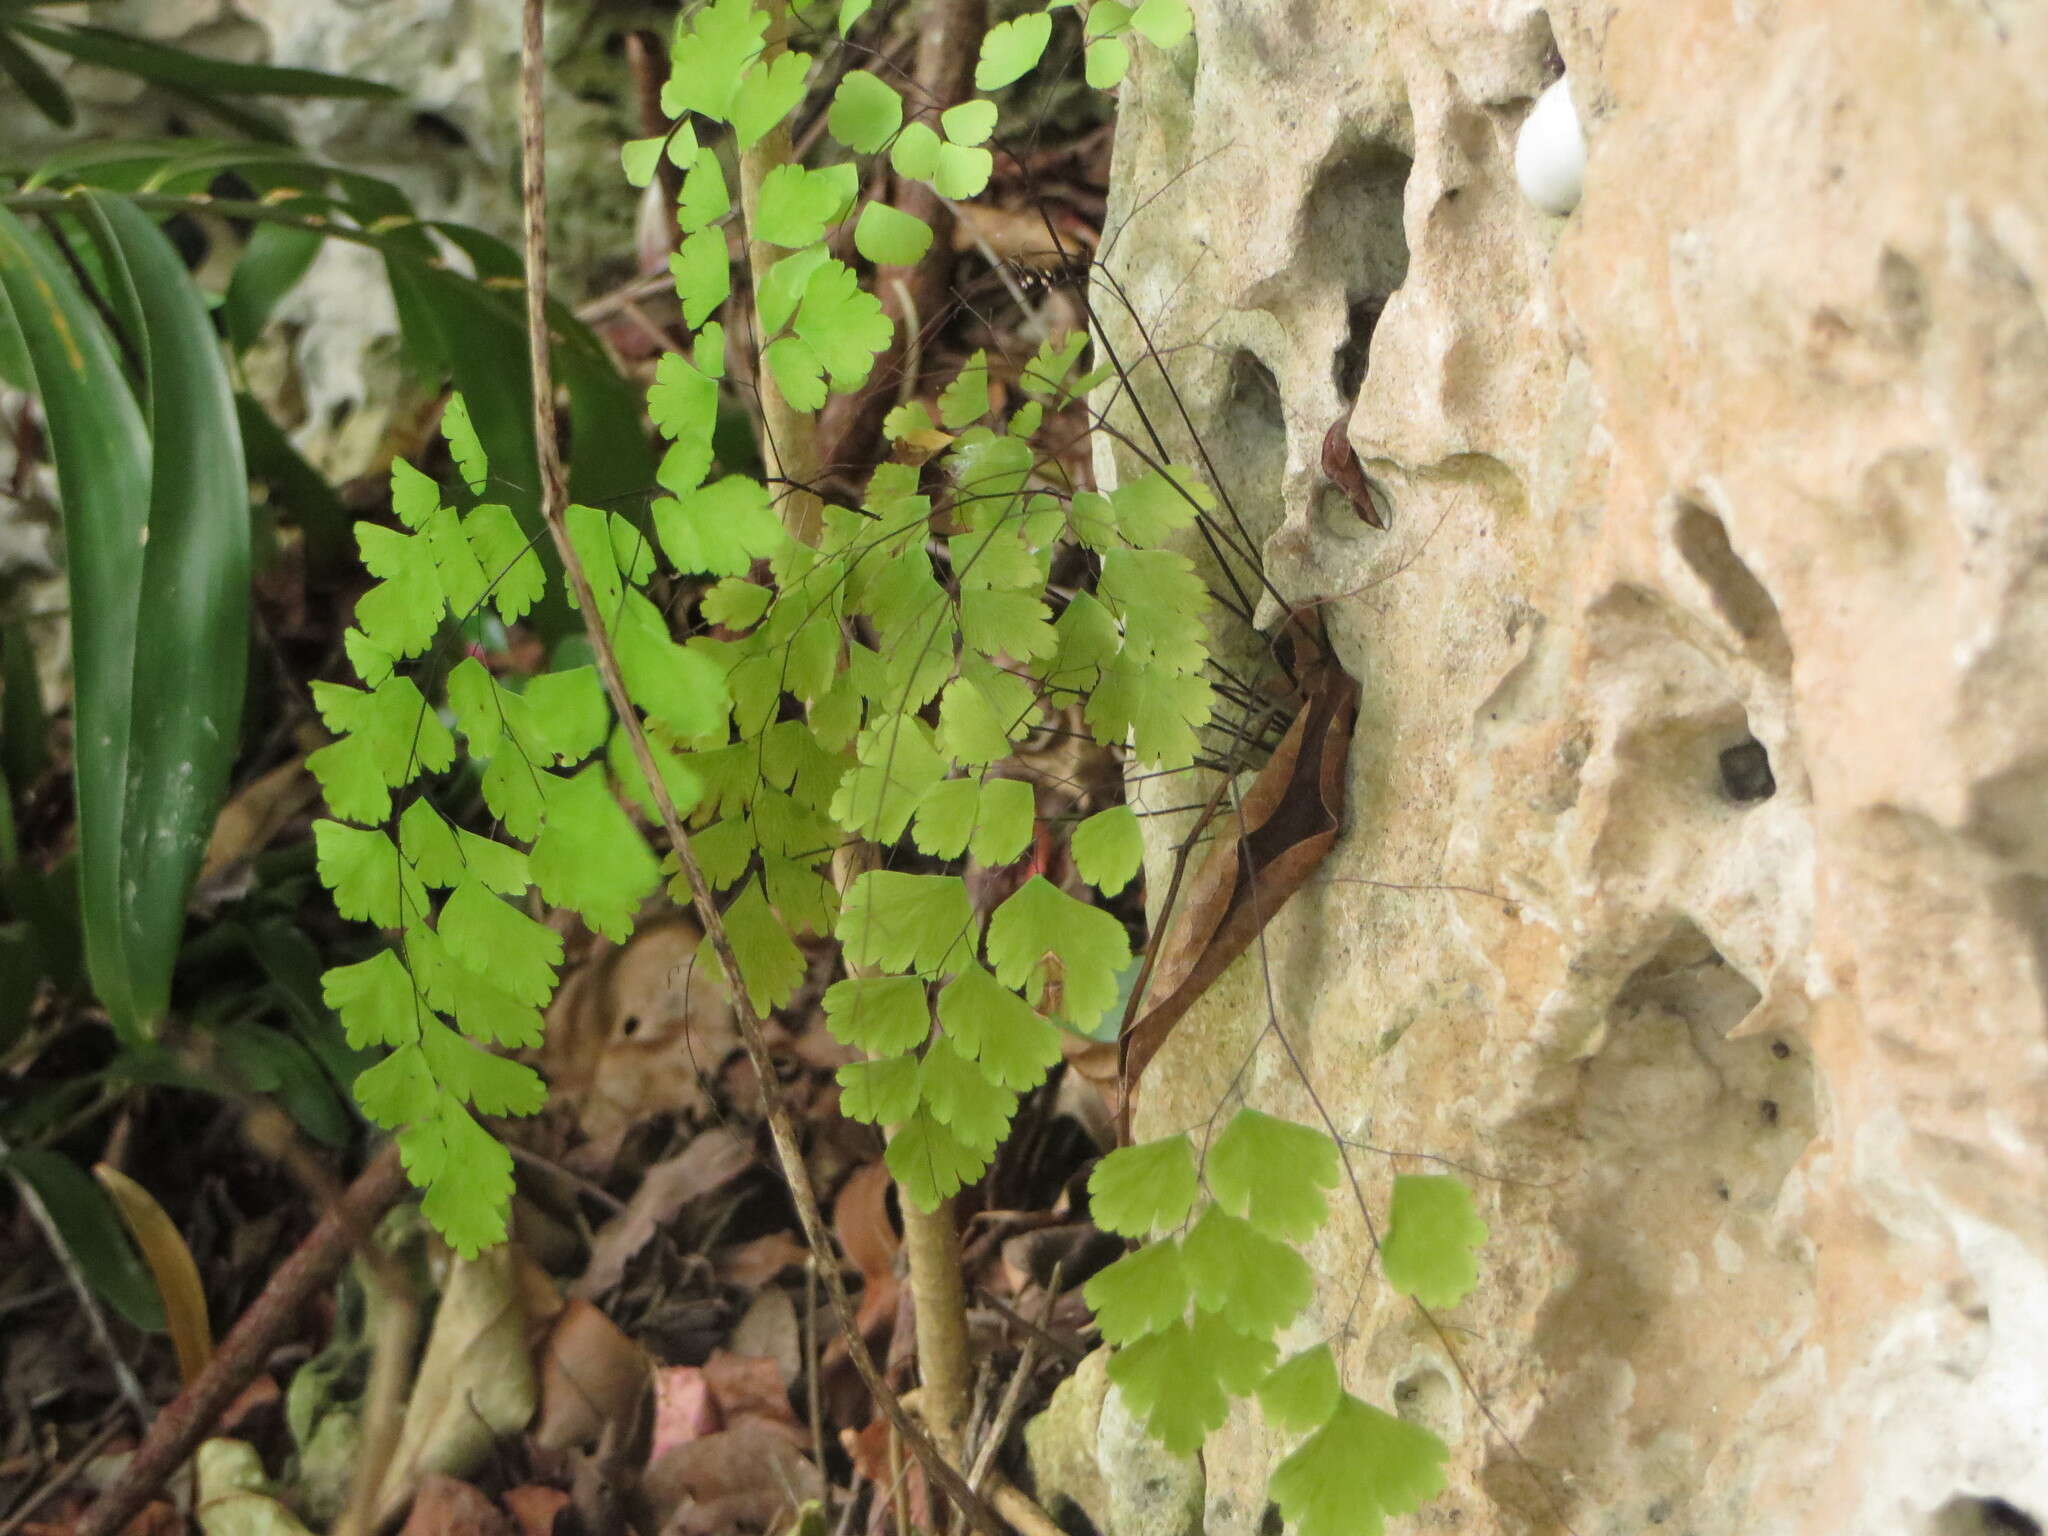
x=447 y=1506
x=170 y=1265
x=684 y=1409
x=752 y=1264
x=591 y=1375
x=770 y=1328
x=475 y=1381
x=233 y=1500
x=711 y=1160
x=748 y=1476
x=749 y=1387
x=533 y=1508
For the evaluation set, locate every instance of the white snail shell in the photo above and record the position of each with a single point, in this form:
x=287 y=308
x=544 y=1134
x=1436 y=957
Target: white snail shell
x=1550 y=151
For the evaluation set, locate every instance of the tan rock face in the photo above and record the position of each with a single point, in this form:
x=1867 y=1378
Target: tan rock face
x=1702 y=763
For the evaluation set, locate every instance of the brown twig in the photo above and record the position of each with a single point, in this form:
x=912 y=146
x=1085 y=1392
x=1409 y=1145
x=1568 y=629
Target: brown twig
x=554 y=496
x=179 y=1428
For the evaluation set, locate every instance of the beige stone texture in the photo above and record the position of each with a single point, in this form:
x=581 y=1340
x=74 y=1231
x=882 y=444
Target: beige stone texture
x=1743 y=461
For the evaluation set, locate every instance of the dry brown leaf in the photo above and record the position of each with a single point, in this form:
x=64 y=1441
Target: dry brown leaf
x=591 y=1375
x=894 y=1473
x=710 y=1160
x=475 y=1381
x=860 y=1220
x=769 y=1329
x=1014 y=234
x=745 y=1476
x=170 y=1265
x=637 y=1032
x=757 y=1261
x=533 y=1508
x=1283 y=828
x=684 y=1409
x=256 y=813
x=1340 y=463
x=447 y=1506
x=748 y=1386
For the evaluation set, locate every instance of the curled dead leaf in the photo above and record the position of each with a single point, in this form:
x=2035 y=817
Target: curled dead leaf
x=1281 y=831
x=1340 y=463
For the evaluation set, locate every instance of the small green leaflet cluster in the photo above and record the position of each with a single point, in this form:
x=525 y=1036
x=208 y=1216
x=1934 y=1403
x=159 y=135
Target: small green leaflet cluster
x=1194 y=1316
x=469 y=970
x=914 y=676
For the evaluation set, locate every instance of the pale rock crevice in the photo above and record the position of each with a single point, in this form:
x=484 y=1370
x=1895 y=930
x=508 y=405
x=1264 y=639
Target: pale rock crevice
x=1702 y=758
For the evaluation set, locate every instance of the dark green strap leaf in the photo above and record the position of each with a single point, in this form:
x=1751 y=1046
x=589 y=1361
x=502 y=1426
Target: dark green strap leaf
x=86 y=1221
x=176 y=67
x=40 y=86
x=191 y=643
x=102 y=455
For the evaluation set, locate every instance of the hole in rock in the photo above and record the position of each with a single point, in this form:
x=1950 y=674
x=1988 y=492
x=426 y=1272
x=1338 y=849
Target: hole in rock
x=1354 y=220
x=1425 y=1397
x=1272 y=1523
x=1965 y=1515
x=1360 y=316
x=1249 y=445
x=1746 y=772
x=1688 y=979
x=1739 y=597
x=436 y=129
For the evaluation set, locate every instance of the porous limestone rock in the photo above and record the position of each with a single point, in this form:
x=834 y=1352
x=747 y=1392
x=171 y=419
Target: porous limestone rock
x=1090 y=1457
x=1693 y=895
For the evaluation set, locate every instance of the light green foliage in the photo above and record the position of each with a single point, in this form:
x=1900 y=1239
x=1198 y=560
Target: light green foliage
x=1012 y=50
x=890 y=237
x=866 y=112
x=882 y=1015
x=969 y=123
x=472 y=976
x=1142 y=1293
x=1273 y=1172
x=1256 y=1283
x=1301 y=1394
x=915 y=923
x=880 y=1092
x=916 y=152
x=1140 y=1190
x=771 y=965
x=1043 y=942
x=1181 y=1380
x=1164 y=22
x=869 y=685
x=1432 y=1229
x=1358 y=1468
x=1108 y=848
x=993 y=1026
x=929 y=1162
x=965 y=400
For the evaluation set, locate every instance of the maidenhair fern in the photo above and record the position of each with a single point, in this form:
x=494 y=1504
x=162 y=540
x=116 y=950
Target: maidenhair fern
x=864 y=685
